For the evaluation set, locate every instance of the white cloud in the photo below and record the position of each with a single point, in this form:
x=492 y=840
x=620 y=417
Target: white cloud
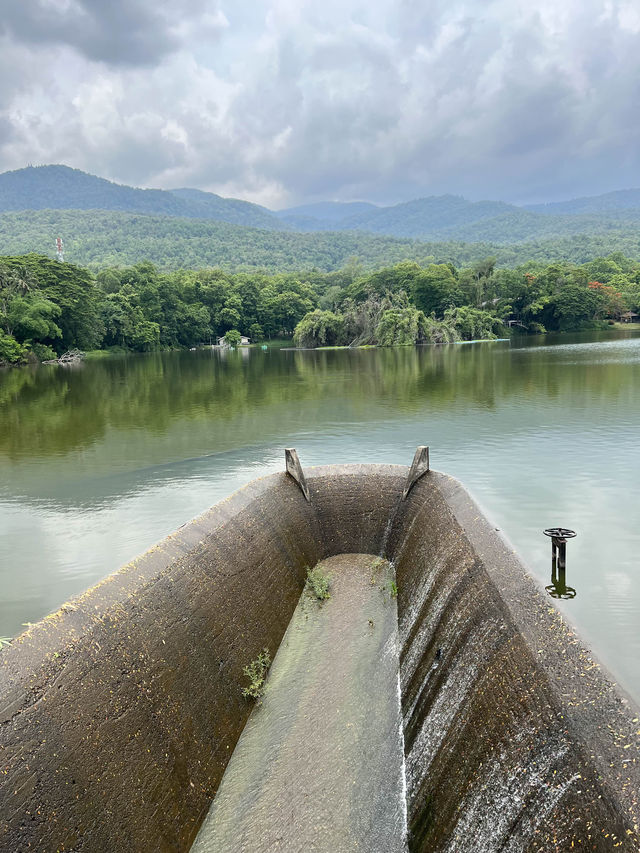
x=286 y=100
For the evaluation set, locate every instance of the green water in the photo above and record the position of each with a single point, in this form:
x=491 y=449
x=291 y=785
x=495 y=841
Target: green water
x=99 y=461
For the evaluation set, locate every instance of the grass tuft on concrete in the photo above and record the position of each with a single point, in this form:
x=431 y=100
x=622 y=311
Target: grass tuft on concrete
x=318 y=584
x=256 y=672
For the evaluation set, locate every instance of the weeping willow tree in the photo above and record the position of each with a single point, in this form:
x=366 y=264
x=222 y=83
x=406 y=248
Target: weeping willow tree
x=442 y=331
x=402 y=327
x=473 y=323
x=319 y=328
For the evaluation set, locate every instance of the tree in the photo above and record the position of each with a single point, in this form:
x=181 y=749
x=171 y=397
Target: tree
x=145 y=335
x=573 y=307
x=389 y=280
x=332 y=298
x=73 y=290
x=401 y=326
x=108 y=281
x=319 y=328
x=611 y=302
x=602 y=269
x=246 y=289
x=362 y=318
x=435 y=289
x=255 y=333
x=32 y=318
x=288 y=309
x=631 y=297
x=211 y=288
x=476 y=281
x=233 y=338
x=11 y=352
x=230 y=317
x=473 y=324
x=442 y=331
x=125 y=323
x=26 y=315
x=192 y=324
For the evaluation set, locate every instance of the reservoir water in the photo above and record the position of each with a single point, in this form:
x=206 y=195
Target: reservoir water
x=101 y=460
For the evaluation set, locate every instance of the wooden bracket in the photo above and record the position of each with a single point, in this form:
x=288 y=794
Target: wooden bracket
x=294 y=469
x=419 y=467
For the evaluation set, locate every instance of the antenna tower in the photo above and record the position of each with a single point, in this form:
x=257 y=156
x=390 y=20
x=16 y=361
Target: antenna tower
x=59 y=250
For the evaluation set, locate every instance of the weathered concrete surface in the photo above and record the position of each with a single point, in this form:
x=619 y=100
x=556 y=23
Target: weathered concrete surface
x=319 y=765
x=119 y=713
x=514 y=740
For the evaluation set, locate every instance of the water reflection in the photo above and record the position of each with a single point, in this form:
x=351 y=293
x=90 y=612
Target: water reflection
x=558 y=587
x=48 y=411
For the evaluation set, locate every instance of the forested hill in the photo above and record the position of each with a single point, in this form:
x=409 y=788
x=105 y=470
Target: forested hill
x=324 y=215
x=106 y=224
x=455 y=218
x=62 y=188
x=433 y=219
x=627 y=200
x=100 y=239
x=428 y=217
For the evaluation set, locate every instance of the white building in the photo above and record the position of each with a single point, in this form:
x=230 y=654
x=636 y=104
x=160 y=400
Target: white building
x=244 y=341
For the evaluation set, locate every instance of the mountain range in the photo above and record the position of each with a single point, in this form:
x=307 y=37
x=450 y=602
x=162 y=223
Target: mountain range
x=57 y=200
x=63 y=188
x=446 y=217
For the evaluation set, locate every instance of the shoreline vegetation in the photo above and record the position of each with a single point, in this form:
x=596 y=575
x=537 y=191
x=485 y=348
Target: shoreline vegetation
x=48 y=308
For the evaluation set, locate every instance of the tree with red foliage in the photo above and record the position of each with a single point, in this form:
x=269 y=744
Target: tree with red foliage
x=611 y=299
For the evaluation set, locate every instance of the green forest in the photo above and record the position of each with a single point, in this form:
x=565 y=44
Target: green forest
x=47 y=307
x=104 y=224
x=100 y=239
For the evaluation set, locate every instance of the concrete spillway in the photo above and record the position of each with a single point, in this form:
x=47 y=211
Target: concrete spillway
x=120 y=713
x=319 y=765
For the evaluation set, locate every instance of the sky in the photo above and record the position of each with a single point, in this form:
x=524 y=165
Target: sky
x=284 y=102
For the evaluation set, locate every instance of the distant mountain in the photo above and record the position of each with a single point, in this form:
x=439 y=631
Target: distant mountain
x=425 y=218
x=62 y=188
x=435 y=219
x=323 y=215
x=449 y=217
x=526 y=226
x=234 y=210
x=608 y=202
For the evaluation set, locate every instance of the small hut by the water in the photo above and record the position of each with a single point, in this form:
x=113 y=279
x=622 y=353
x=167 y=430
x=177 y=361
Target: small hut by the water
x=630 y=317
x=244 y=341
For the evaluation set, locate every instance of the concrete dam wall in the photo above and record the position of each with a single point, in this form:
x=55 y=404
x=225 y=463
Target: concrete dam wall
x=119 y=713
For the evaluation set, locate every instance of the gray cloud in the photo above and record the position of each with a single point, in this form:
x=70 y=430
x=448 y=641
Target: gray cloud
x=283 y=101
x=130 y=32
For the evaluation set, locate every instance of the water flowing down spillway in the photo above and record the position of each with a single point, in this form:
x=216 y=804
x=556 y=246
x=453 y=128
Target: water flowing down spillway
x=319 y=765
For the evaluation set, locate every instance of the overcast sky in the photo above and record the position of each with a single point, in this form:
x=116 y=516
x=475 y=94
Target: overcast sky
x=287 y=101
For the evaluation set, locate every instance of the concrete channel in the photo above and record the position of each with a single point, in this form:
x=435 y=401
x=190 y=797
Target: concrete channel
x=120 y=713
x=319 y=765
